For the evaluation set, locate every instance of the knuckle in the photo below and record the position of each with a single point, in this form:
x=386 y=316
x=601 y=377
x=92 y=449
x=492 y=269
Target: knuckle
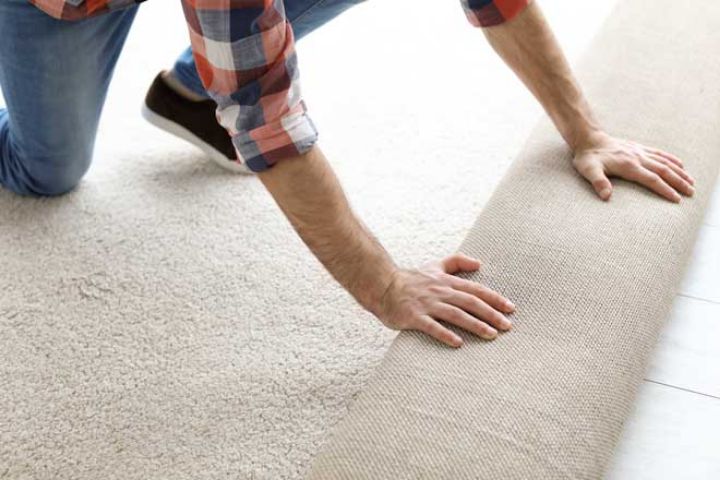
x=434 y=329
x=444 y=276
x=627 y=162
x=455 y=316
x=482 y=290
x=664 y=170
x=489 y=315
x=499 y=319
x=498 y=298
x=666 y=163
x=444 y=335
x=479 y=306
x=484 y=329
x=450 y=280
x=423 y=327
x=438 y=276
x=600 y=182
x=634 y=165
x=479 y=326
x=490 y=296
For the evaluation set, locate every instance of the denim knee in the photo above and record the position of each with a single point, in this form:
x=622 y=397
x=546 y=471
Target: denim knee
x=50 y=175
x=61 y=174
x=41 y=166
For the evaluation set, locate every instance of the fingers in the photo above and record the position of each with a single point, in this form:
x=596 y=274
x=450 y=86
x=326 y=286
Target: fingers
x=460 y=318
x=430 y=326
x=652 y=181
x=425 y=299
x=657 y=170
x=465 y=311
x=459 y=262
x=670 y=176
x=668 y=156
x=599 y=181
x=675 y=168
x=491 y=297
x=479 y=309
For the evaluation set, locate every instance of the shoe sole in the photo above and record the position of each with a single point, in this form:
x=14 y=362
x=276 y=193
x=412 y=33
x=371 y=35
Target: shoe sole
x=183 y=133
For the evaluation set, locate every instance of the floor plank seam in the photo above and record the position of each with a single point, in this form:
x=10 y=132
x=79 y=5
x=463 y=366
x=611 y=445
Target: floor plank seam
x=682 y=388
x=693 y=297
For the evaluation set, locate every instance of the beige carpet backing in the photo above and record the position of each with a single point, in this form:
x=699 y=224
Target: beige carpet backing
x=593 y=282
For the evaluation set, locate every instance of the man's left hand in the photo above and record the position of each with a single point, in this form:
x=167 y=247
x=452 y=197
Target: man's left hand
x=605 y=156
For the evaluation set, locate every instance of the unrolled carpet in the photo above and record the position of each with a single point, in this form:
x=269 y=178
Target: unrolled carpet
x=593 y=283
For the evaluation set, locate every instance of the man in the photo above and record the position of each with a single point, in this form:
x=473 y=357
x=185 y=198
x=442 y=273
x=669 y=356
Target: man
x=54 y=73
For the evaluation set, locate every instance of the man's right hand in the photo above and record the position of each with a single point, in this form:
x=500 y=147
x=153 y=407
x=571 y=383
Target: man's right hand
x=419 y=299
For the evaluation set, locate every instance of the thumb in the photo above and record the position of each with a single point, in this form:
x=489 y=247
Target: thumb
x=460 y=262
x=599 y=182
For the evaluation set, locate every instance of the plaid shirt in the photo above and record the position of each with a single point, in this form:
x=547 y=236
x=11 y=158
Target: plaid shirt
x=245 y=54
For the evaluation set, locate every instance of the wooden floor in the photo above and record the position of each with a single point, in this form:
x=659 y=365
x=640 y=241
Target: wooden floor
x=674 y=432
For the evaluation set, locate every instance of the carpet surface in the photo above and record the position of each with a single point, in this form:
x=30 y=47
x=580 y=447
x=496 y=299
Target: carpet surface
x=593 y=283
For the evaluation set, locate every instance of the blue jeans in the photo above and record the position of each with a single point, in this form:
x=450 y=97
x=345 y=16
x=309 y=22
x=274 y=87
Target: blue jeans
x=54 y=76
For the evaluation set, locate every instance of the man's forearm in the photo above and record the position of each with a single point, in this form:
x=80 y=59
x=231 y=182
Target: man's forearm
x=529 y=47
x=308 y=192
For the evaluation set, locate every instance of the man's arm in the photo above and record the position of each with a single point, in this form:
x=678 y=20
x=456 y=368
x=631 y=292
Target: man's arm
x=308 y=192
x=528 y=46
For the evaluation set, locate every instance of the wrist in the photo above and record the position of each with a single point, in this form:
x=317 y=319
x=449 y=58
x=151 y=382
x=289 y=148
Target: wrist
x=587 y=139
x=371 y=292
x=579 y=127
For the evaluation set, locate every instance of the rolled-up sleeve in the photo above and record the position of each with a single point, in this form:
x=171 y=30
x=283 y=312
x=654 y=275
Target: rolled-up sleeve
x=486 y=13
x=245 y=54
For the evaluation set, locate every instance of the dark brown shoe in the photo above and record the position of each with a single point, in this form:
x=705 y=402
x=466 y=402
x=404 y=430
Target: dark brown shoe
x=192 y=121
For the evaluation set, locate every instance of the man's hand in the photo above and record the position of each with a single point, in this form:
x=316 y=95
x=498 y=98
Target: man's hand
x=605 y=156
x=529 y=47
x=418 y=299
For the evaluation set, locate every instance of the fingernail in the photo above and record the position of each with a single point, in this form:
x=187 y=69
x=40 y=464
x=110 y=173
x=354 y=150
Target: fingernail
x=691 y=191
x=491 y=334
x=506 y=323
x=509 y=305
x=605 y=193
x=458 y=341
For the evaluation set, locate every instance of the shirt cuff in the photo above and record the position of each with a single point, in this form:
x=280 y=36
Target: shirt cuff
x=262 y=147
x=486 y=13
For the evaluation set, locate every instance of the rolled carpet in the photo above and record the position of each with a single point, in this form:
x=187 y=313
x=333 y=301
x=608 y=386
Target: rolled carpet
x=593 y=283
